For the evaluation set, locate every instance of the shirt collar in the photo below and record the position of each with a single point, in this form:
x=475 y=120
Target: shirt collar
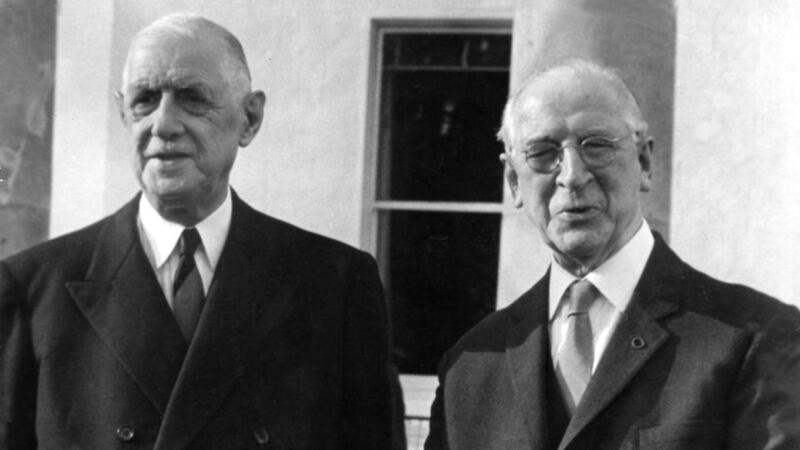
x=616 y=278
x=163 y=235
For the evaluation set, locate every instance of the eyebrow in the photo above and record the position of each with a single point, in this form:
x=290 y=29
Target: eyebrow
x=542 y=138
x=171 y=84
x=580 y=134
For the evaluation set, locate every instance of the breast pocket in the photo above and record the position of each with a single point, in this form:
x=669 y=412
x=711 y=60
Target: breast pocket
x=699 y=435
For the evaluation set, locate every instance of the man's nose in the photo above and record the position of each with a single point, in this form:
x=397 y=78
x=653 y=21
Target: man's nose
x=166 y=118
x=573 y=172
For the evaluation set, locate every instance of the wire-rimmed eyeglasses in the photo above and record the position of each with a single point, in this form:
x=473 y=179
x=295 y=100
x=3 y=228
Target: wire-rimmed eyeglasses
x=595 y=151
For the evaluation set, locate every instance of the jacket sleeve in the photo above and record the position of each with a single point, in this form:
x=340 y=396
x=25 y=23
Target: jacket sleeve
x=17 y=367
x=437 y=435
x=372 y=403
x=764 y=412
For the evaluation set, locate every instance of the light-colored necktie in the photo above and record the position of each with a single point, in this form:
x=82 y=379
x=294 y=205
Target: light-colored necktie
x=574 y=359
x=188 y=297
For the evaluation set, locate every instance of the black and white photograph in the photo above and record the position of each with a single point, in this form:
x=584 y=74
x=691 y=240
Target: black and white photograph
x=399 y=224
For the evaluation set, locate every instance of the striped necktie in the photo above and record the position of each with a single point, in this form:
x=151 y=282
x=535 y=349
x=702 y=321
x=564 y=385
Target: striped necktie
x=188 y=297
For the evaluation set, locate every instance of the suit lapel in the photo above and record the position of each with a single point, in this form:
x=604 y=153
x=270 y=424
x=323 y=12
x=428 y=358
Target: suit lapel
x=527 y=347
x=249 y=296
x=635 y=341
x=123 y=302
x=617 y=367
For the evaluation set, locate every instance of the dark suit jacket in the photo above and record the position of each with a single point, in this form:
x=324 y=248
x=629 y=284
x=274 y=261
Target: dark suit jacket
x=694 y=364
x=290 y=352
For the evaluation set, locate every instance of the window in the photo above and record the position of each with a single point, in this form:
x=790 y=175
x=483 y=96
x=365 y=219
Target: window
x=434 y=187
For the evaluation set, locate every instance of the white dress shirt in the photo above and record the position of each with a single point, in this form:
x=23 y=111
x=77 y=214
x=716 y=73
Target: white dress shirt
x=160 y=238
x=616 y=279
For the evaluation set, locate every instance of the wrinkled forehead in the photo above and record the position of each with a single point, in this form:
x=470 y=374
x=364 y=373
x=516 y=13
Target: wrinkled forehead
x=572 y=103
x=158 y=61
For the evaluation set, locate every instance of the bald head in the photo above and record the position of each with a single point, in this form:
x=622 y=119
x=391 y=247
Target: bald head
x=191 y=27
x=560 y=80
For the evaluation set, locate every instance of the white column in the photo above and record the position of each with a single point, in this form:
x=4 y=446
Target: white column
x=735 y=207
x=82 y=109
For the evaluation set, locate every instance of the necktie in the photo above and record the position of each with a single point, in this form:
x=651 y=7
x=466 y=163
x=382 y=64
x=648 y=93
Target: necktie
x=187 y=288
x=574 y=359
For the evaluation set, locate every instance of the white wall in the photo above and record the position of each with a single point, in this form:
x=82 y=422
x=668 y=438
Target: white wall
x=735 y=197
x=80 y=110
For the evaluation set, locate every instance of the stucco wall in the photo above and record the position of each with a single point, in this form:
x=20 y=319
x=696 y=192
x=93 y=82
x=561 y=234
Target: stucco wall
x=81 y=112
x=27 y=56
x=735 y=199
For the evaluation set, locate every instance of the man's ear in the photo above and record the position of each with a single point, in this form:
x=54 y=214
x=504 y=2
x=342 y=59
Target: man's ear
x=119 y=99
x=254 y=112
x=646 y=163
x=511 y=178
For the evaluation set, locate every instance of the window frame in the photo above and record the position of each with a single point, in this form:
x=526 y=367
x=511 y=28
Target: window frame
x=372 y=206
x=418 y=390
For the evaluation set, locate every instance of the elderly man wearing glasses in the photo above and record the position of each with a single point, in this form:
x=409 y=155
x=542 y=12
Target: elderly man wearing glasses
x=621 y=344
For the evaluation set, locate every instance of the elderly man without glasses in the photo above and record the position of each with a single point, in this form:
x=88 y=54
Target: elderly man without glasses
x=187 y=319
x=621 y=345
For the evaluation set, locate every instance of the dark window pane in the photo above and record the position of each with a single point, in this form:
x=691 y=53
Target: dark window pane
x=442 y=280
x=431 y=49
x=438 y=136
x=391 y=43
x=492 y=50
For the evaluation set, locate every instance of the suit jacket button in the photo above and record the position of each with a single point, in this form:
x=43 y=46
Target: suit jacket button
x=125 y=433
x=261 y=436
x=638 y=343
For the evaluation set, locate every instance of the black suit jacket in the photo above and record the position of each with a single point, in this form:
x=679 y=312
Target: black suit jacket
x=290 y=352
x=693 y=364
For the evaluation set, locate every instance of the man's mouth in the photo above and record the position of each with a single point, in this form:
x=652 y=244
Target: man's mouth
x=579 y=209
x=169 y=156
x=577 y=213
